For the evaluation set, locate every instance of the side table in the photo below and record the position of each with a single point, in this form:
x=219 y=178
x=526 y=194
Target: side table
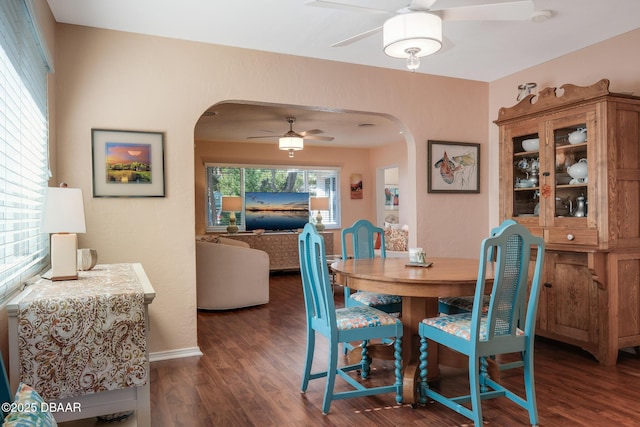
x=82 y=344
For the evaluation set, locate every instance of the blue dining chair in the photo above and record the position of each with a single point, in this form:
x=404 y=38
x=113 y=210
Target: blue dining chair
x=341 y=325
x=362 y=235
x=507 y=327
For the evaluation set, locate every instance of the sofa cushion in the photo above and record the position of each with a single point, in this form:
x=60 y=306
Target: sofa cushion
x=212 y=238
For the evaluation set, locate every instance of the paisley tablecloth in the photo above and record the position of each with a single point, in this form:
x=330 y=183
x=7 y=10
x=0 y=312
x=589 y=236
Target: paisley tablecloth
x=84 y=336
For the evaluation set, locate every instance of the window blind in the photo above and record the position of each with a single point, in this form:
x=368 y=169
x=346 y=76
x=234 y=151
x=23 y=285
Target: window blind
x=23 y=147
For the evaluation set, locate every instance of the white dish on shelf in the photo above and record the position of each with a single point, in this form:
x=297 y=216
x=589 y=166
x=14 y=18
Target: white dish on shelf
x=524 y=184
x=532 y=144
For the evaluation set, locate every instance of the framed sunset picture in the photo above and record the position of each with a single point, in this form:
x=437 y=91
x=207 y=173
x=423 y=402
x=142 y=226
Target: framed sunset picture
x=127 y=163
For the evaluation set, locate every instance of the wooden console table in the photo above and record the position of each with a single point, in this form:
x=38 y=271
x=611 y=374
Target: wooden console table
x=83 y=343
x=281 y=247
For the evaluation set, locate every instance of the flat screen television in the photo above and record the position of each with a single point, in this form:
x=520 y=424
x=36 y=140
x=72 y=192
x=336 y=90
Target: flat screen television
x=276 y=211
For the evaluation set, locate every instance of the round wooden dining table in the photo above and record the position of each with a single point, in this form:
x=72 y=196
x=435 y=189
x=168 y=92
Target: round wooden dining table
x=420 y=288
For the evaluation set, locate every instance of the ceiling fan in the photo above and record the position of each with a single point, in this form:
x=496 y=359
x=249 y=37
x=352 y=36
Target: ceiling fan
x=415 y=29
x=294 y=141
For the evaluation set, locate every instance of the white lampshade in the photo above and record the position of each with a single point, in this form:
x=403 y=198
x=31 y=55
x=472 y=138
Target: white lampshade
x=63 y=211
x=231 y=204
x=319 y=203
x=419 y=32
x=63 y=215
x=294 y=143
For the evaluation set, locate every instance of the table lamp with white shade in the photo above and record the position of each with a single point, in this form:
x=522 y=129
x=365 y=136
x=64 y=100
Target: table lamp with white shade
x=63 y=216
x=319 y=204
x=232 y=204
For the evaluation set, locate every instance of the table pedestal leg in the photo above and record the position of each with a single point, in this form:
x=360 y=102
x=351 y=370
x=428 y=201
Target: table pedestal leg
x=414 y=309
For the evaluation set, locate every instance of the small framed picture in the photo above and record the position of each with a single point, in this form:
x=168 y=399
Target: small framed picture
x=127 y=163
x=356 y=185
x=453 y=167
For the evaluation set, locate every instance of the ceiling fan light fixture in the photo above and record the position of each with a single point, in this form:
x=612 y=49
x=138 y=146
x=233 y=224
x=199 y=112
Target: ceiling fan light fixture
x=291 y=144
x=411 y=36
x=291 y=141
x=413 y=62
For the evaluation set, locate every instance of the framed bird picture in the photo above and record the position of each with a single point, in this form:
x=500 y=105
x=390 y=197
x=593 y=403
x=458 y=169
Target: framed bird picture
x=453 y=167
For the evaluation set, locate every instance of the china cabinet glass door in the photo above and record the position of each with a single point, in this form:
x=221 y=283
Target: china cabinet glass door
x=569 y=152
x=526 y=175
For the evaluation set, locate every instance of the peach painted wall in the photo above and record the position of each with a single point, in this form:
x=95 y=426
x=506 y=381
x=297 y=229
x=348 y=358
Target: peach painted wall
x=616 y=59
x=116 y=80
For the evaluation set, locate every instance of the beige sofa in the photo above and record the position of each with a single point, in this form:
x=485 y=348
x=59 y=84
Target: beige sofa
x=229 y=274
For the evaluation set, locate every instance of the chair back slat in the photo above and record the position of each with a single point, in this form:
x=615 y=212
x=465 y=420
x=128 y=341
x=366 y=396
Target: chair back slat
x=508 y=290
x=314 y=272
x=362 y=235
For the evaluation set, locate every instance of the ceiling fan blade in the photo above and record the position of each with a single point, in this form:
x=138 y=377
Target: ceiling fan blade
x=320 y=138
x=511 y=11
x=357 y=37
x=270 y=136
x=343 y=6
x=418 y=5
x=311 y=132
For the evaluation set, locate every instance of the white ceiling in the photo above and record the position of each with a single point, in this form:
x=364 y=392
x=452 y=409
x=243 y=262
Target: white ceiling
x=485 y=51
x=478 y=50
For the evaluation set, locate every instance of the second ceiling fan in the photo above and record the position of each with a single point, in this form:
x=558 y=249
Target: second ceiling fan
x=294 y=141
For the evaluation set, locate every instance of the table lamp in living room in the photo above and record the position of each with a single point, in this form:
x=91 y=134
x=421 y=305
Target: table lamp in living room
x=63 y=216
x=319 y=204
x=232 y=204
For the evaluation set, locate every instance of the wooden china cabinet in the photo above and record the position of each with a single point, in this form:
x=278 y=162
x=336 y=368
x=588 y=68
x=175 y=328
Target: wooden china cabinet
x=583 y=197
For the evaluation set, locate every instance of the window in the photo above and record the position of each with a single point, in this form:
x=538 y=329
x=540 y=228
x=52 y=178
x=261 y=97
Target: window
x=23 y=146
x=236 y=180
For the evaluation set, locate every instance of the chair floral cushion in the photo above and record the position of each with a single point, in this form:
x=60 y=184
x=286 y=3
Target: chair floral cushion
x=373 y=299
x=396 y=239
x=460 y=325
x=362 y=317
x=30 y=410
x=465 y=303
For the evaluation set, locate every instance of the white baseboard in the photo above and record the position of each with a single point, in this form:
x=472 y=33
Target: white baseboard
x=174 y=354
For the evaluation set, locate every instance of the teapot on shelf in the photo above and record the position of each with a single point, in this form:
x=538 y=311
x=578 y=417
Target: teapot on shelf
x=578 y=171
x=578 y=136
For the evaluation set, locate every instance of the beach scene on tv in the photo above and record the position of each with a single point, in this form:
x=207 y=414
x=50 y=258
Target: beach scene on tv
x=276 y=211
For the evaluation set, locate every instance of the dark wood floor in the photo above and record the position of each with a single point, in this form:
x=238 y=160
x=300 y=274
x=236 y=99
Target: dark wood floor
x=250 y=375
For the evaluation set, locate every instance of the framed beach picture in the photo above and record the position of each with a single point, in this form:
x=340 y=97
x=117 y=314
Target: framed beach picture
x=127 y=163
x=453 y=167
